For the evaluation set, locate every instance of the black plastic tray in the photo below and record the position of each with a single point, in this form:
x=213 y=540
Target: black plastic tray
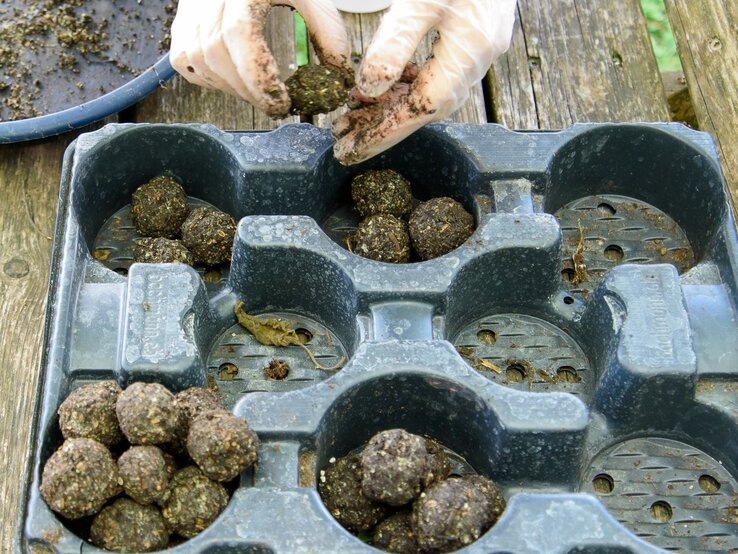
x=612 y=425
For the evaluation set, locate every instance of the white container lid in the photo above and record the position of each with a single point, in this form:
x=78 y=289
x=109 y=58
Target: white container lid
x=362 y=6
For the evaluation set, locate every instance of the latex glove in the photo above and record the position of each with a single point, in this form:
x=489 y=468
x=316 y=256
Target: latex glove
x=221 y=44
x=398 y=98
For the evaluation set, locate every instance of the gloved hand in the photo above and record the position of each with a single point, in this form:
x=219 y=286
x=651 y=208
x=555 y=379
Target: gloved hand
x=400 y=98
x=221 y=44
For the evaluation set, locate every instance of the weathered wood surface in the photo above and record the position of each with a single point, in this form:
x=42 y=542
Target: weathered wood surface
x=577 y=60
x=706 y=32
x=29 y=180
x=361 y=29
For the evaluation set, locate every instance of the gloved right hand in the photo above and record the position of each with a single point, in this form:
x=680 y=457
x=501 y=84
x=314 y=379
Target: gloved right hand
x=221 y=44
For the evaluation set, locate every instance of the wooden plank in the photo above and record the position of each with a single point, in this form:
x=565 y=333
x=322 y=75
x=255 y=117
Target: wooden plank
x=706 y=33
x=29 y=178
x=180 y=102
x=577 y=60
x=361 y=29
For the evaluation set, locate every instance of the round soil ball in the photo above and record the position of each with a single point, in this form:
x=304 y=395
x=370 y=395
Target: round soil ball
x=395 y=467
x=395 y=534
x=208 y=233
x=340 y=489
x=147 y=414
x=383 y=238
x=438 y=226
x=193 y=502
x=161 y=251
x=221 y=444
x=454 y=513
x=126 y=526
x=381 y=191
x=194 y=401
x=143 y=470
x=316 y=89
x=89 y=412
x=438 y=465
x=159 y=207
x=79 y=478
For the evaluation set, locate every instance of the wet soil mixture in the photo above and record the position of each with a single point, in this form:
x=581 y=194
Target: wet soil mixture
x=44 y=42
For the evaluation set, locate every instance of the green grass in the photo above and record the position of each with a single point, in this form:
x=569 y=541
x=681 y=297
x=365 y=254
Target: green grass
x=662 y=38
x=658 y=27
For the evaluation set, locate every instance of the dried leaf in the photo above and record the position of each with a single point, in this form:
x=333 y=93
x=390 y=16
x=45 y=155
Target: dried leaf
x=580 y=268
x=489 y=365
x=270 y=332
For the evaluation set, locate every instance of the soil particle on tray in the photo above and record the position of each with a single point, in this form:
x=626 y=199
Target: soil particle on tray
x=221 y=444
x=383 y=238
x=455 y=512
x=382 y=191
x=193 y=502
x=89 y=412
x=159 y=207
x=277 y=370
x=79 y=478
x=161 y=251
x=396 y=467
x=438 y=226
x=316 y=89
x=143 y=471
x=395 y=534
x=340 y=489
x=126 y=526
x=208 y=233
x=147 y=414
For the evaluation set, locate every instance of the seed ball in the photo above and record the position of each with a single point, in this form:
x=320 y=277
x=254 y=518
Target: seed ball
x=89 y=412
x=382 y=191
x=208 y=233
x=159 y=207
x=161 y=251
x=395 y=467
x=126 y=526
x=316 y=89
x=192 y=502
x=147 y=414
x=395 y=534
x=438 y=226
x=340 y=489
x=143 y=471
x=194 y=401
x=383 y=238
x=221 y=444
x=438 y=466
x=79 y=478
x=454 y=513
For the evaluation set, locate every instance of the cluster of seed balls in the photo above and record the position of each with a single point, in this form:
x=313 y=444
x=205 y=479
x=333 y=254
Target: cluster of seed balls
x=176 y=453
x=399 y=490
x=383 y=198
x=160 y=213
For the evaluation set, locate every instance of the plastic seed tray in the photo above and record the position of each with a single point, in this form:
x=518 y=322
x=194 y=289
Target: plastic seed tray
x=581 y=348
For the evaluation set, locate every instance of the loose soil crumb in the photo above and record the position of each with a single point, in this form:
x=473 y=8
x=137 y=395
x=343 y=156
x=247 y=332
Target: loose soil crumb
x=59 y=45
x=277 y=370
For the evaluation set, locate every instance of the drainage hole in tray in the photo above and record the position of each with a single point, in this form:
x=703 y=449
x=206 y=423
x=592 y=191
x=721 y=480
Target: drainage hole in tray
x=525 y=353
x=115 y=243
x=603 y=231
x=402 y=492
x=238 y=364
x=668 y=493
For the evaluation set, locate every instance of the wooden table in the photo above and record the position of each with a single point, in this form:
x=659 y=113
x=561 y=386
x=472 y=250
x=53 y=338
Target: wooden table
x=570 y=60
